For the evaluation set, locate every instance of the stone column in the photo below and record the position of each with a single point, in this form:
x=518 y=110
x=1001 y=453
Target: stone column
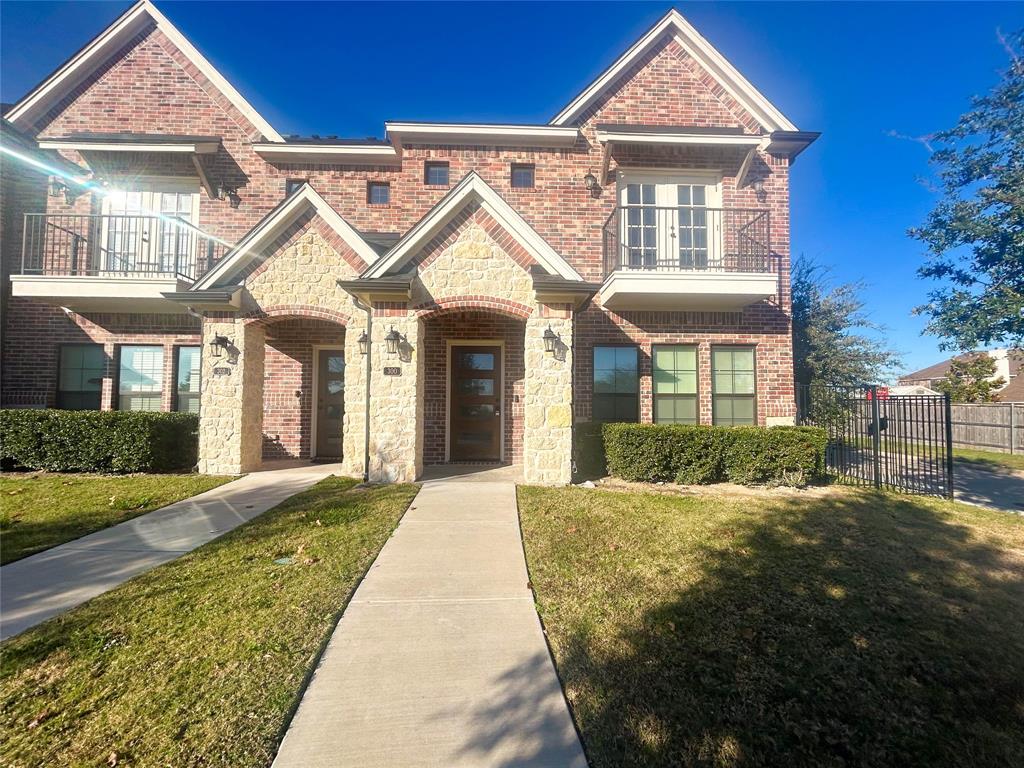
x=395 y=439
x=547 y=438
x=353 y=430
x=231 y=403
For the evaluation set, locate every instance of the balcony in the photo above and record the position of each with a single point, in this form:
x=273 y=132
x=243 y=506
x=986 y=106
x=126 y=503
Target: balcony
x=112 y=263
x=687 y=258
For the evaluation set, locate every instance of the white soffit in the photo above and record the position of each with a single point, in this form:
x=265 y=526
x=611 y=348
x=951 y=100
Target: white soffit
x=704 y=53
x=272 y=225
x=82 y=64
x=473 y=187
x=481 y=133
x=112 y=145
x=664 y=137
x=350 y=154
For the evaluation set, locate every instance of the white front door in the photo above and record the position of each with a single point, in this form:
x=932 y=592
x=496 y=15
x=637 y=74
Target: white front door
x=669 y=222
x=143 y=229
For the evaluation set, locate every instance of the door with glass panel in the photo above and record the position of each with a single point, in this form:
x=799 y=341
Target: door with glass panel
x=149 y=229
x=330 y=402
x=474 y=430
x=669 y=223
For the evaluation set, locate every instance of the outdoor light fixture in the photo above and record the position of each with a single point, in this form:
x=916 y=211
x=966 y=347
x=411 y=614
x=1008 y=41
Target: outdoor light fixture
x=230 y=194
x=364 y=343
x=218 y=345
x=550 y=339
x=393 y=339
x=758 y=185
x=590 y=181
x=57 y=187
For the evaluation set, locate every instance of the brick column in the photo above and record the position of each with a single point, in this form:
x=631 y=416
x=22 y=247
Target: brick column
x=231 y=403
x=547 y=437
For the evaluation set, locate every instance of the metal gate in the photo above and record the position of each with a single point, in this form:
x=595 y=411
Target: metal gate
x=902 y=442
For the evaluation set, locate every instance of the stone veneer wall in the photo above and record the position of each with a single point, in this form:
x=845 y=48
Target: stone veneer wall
x=547 y=439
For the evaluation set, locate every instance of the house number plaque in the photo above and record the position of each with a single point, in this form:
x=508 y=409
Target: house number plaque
x=392 y=371
x=221 y=371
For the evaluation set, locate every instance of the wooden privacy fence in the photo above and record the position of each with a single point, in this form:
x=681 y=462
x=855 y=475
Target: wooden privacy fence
x=989 y=426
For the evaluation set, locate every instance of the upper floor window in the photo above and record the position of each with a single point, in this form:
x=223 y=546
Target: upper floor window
x=378 y=192
x=616 y=384
x=80 y=376
x=733 y=385
x=522 y=175
x=140 y=380
x=291 y=185
x=435 y=174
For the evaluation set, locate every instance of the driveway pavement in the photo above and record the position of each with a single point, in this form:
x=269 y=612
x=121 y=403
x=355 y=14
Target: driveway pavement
x=43 y=585
x=439 y=659
x=998 y=489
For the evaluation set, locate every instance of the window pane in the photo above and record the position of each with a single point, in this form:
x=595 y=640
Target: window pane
x=141 y=378
x=80 y=378
x=436 y=174
x=722 y=383
x=522 y=175
x=476 y=386
x=743 y=359
x=378 y=193
x=476 y=361
x=187 y=394
x=615 y=384
x=743 y=383
x=743 y=410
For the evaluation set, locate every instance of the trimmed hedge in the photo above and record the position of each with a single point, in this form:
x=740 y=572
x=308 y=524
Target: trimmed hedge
x=691 y=455
x=98 y=441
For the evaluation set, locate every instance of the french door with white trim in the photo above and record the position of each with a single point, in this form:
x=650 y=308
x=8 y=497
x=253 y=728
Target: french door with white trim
x=141 y=232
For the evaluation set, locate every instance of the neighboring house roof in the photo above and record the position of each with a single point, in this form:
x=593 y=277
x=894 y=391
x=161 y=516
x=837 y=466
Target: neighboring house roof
x=939 y=370
x=1012 y=392
x=748 y=97
x=95 y=53
x=275 y=222
x=472 y=188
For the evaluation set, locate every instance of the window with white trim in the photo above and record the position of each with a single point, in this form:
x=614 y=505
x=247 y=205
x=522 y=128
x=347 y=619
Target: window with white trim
x=140 y=380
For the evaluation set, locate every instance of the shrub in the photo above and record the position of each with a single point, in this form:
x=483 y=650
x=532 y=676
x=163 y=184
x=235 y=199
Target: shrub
x=98 y=441
x=697 y=454
x=588 y=451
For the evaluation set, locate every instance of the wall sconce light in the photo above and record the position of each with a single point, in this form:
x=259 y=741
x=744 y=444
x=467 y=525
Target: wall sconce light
x=393 y=340
x=758 y=187
x=218 y=345
x=58 y=188
x=590 y=182
x=550 y=340
x=364 y=343
x=230 y=194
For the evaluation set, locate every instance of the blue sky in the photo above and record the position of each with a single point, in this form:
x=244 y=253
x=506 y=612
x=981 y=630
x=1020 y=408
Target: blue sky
x=856 y=72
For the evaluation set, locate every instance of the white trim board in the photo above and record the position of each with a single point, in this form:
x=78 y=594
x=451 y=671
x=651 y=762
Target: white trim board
x=264 y=232
x=473 y=187
x=712 y=139
x=481 y=133
x=358 y=154
x=449 y=343
x=94 y=54
x=748 y=97
x=108 y=145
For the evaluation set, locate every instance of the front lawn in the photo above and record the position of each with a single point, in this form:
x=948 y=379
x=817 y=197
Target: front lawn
x=826 y=628
x=41 y=510
x=990 y=460
x=200 y=661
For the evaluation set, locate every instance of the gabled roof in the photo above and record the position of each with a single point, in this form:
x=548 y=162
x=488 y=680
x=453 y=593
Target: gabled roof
x=275 y=222
x=673 y=23
x=471 y=189
x=96 y=52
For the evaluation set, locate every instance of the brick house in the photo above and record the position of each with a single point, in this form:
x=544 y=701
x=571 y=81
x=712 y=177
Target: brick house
x=453 y=292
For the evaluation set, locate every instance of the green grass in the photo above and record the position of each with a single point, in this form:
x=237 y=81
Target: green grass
x=40 y=510
x=826 y=629
x=198 y=662
x=990 y=459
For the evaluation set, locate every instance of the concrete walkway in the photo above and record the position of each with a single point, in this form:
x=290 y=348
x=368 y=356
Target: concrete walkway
x=1001 y=489
x=51 y=582
x=439 y=660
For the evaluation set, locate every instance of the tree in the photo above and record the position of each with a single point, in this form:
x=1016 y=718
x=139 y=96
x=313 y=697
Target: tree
x=971 y=379
x=827 y=348
x=975 y=234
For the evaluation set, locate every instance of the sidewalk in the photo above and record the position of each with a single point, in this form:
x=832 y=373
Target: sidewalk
x=43 y=585
x=439 y=659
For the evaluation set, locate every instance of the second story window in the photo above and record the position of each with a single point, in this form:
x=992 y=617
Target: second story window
x=522 y=175
x=291 y=185
x=435 y=174
x=378 y=192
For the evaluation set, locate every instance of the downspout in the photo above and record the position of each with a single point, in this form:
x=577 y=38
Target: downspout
x=369 y=368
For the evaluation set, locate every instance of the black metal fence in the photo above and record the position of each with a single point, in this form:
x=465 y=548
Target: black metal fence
x=901 y=442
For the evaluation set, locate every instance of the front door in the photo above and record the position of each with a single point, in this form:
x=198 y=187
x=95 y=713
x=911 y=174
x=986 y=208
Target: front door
x=474 y=432
x=330 y=402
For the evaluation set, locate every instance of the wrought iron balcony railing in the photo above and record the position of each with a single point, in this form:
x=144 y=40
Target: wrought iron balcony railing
x=115 y=245
x=655 y=238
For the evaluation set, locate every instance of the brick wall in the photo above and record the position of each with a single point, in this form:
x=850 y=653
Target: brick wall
x=148 y=87
x=288 y=385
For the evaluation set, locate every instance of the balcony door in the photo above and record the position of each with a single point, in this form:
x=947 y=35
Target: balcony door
x=669 y=222
x=142 y=233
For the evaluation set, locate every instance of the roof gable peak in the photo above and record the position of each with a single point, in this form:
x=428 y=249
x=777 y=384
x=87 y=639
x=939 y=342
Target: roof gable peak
x=673 y=23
